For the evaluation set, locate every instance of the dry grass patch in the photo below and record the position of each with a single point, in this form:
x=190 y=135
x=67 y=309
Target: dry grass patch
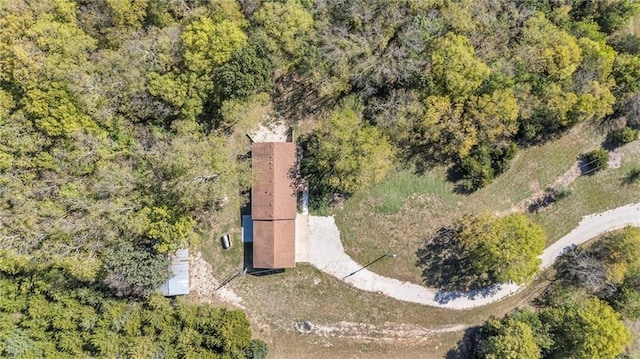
x=591 y=194
x=395 y=217
x=346 y=321
x=634 y=25
x=634 y=347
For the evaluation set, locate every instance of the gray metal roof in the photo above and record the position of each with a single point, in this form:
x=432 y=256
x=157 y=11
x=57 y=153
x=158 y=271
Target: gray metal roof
x=178 y=284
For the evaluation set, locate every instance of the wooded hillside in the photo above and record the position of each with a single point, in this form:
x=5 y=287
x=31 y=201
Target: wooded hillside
x=117 y=117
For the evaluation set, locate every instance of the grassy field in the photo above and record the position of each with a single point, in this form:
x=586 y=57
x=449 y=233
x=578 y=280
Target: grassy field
x=348 y=323
x=593 y=193
x=398 y=215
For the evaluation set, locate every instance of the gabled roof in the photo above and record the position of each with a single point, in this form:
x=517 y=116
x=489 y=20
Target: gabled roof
x=273 y=196
x=273 y=204
x=274 y=244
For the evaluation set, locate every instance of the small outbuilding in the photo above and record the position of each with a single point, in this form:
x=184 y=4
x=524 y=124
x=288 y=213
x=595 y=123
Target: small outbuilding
x=178 y=284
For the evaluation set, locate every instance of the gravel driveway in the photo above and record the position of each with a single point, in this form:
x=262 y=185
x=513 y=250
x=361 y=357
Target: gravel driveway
x=327 y=254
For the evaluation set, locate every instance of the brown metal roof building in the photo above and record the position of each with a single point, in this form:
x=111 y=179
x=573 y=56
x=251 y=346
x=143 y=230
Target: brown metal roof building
x=273 y=204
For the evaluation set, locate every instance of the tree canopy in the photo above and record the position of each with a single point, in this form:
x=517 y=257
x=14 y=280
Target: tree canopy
x=477 y=251
x=570 y=328
x=46 y=312
x=345 y=155
x=509 y=339
x=580 y=314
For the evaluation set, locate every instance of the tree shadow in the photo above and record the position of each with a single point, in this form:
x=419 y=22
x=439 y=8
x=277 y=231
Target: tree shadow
x=608 y=144
x=465 y=347
x=446 y=296
x=549 y=197
x=295 y=97
x=445 y=265
x=632 y=177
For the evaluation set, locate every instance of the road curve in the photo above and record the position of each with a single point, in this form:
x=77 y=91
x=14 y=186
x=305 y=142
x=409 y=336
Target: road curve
x=327 y=254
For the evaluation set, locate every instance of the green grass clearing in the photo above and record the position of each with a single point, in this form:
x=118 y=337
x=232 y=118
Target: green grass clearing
x=371 y=226
x=592 y=193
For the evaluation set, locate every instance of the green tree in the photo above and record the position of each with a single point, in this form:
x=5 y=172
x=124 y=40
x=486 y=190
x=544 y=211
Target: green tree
x=167 y=229
x=443 y=131
x=478 y=251
x=482 y=164
x=627 y=302
x=208 y=43
x=257 y=349
x=617 y=251
x=597 y=62
x=186 y=91
x=510 y=339
x=591 y=329
x=476 y=170
x=55 y=113
x=248 y=72
x=501 y=249
x=127 y=13
x=451 y=130
x=132 y=271
x=626 y=72
x=611 y=15
x=456 y=69
x=596 y=160
x=60 y=317
x=287 y=25
x=495 y=116
x=623 y=136
x=345 y=155
x=548 y=50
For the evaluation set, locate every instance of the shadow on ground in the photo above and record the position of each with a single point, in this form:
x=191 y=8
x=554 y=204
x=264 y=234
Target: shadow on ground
x=464 y=347
x=446 y=266
x=444 y=296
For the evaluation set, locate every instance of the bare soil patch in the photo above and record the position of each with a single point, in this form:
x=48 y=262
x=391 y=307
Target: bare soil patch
x=205 y=286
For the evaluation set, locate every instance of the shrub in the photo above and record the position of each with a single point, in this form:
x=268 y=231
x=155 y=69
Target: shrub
x=633 y=176
x=596 y=160
x=257 y=349
x=476 y=171
x=623 y=136
x=481 y=166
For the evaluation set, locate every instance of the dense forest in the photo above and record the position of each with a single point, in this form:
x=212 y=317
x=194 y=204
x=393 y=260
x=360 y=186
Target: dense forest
x=117 y=117
x=580 y=315
x=47 y=313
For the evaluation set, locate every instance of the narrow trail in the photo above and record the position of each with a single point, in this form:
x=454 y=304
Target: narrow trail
x=327 y=254
x=388 y=332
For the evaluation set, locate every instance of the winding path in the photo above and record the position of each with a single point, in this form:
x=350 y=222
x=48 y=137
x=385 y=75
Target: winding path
x=327 y=254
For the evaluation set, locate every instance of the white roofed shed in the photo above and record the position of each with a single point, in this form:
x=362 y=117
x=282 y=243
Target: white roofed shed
x=178 y=284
